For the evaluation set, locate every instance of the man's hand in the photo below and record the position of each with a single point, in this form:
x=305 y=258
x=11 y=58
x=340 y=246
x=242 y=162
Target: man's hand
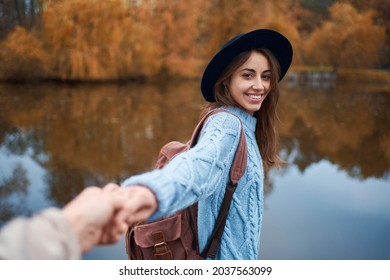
x=93 y=216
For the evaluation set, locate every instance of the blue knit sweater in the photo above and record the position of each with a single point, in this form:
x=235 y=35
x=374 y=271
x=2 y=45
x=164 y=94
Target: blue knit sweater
x=201 y=174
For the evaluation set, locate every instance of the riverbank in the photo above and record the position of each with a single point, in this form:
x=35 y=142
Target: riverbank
x=363 y=75
x=297 y=75
x=327 y=76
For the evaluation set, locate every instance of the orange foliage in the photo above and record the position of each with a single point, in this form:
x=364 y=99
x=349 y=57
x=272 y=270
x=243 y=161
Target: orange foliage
x=348 y=39
x=223 y=20
x=121 y=39
x=91 y=40
x=172 y=26
x=22 y=56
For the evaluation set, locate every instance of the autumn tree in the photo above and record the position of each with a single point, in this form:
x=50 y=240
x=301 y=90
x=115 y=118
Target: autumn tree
x=122 y=39
x=348 y=39
x=223 y=20
x=310 y=14
x=22 y=56
x=23 y=13
x=382 y=8
x=110 y=40
x=91 y=40
x=174 y=32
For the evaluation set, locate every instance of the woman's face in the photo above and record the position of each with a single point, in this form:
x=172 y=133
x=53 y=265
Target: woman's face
x=250 y=83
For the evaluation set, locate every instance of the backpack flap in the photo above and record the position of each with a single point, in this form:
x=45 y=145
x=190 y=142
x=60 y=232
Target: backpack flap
x=165 y=239
x=170 y=228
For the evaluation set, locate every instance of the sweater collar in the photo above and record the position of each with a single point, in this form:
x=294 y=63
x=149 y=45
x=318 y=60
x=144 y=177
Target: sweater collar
x=248 y=120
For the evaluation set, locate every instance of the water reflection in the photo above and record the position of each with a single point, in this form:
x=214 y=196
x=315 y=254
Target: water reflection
x=56 y=139
x=323 y=213
x=86 y=135
x=13 y=186
x=349 y=126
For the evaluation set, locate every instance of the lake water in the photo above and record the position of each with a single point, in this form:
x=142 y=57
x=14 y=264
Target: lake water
x=330 y=201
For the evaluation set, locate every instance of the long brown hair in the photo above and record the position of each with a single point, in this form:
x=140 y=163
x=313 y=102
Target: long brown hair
x=265 y=132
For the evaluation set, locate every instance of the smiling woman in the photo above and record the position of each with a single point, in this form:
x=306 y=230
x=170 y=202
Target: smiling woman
x=244 y=82
x=250 y=83
x=270 y=62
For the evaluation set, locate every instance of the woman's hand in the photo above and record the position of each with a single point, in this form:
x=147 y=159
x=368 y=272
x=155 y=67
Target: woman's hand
x=140 y=203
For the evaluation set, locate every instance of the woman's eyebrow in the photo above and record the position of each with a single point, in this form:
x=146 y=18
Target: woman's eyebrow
x=249 y=69
x=254 y=71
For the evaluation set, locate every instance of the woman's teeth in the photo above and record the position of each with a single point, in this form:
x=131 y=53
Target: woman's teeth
x=253 y=96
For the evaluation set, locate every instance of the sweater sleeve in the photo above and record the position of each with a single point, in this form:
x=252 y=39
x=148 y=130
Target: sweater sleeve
x=198 y=172
x=45 y=236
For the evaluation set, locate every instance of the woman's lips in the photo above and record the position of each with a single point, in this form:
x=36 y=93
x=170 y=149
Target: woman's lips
x=255 y=97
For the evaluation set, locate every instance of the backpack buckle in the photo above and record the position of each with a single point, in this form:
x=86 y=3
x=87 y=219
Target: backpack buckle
x=161 y=249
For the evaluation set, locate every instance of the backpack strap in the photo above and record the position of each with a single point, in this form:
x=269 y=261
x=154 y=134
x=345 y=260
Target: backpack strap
x=236 y=171
x=214 y=241
x=241 y=157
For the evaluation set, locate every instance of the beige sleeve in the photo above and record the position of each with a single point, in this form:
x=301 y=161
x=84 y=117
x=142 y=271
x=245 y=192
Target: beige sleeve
x=44 y=236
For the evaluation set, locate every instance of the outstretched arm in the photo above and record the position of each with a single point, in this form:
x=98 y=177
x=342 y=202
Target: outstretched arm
x=88 y=220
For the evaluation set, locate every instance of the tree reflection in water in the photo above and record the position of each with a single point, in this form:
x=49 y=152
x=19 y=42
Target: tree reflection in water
x=83 y=135
x=349 y=126
x=12 y=191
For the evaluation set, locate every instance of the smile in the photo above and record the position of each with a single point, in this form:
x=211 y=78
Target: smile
x=255 y=97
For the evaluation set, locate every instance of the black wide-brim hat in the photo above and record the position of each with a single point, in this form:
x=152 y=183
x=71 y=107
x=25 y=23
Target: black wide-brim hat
x=275 y=42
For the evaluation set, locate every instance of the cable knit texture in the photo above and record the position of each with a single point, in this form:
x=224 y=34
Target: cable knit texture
x=201 y=174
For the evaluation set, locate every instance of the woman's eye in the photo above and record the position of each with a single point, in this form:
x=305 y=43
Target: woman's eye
x=247 y=75
x=266 y=77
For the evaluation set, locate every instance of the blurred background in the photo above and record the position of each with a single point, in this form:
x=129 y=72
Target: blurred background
x=90 y=91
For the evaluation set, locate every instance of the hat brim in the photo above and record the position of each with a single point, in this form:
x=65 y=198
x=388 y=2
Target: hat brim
x=261 y=38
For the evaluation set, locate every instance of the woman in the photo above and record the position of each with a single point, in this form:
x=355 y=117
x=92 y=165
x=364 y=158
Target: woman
x=242 y=78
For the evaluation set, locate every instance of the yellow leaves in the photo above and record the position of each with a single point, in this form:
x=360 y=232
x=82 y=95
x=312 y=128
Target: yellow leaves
x=88 y=39
x=348 y=39
x=174 y=31
x=119 y=39
x=22 y=55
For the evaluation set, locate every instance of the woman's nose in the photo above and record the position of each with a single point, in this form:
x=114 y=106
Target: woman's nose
x=258 y=84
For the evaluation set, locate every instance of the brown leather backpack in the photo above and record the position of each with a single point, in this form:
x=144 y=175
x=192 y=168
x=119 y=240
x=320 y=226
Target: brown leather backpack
x=175 y=237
